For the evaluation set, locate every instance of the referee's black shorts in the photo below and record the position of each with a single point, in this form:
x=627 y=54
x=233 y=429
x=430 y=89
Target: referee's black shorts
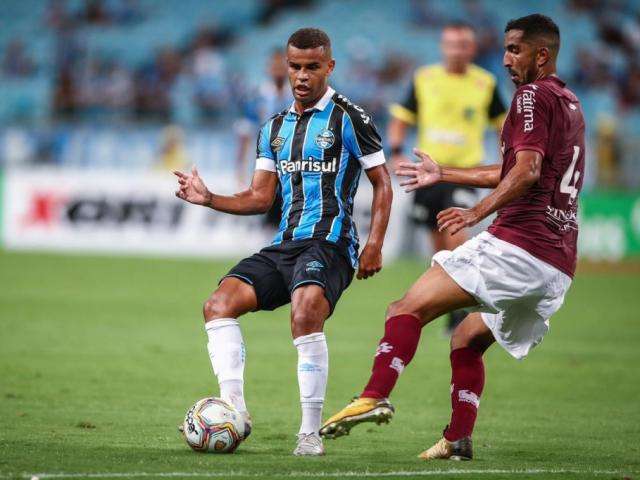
x=277 y=270
x=429 y=201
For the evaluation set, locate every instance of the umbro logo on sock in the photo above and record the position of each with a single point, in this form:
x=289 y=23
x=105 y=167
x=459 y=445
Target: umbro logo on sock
x=469 y=397
x=384 y=347
x=309 y=367
x=397 y=364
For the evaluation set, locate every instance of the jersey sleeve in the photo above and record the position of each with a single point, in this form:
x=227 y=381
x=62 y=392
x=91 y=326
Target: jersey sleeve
x=361 y=138
x=265 y=160
x=496 y=111
x=408 y=109
x=530 y=116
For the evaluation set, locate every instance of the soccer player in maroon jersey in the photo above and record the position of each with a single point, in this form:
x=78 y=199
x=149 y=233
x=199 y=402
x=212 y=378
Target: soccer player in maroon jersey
x=513 y=276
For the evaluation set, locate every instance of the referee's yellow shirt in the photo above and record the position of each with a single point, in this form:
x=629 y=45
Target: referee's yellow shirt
x=451 y=113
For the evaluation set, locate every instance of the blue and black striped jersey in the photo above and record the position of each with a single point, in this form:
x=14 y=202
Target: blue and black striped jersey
x=319 y=157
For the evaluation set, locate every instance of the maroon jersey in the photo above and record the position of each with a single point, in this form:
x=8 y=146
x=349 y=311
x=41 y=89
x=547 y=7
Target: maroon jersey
x=545 y=117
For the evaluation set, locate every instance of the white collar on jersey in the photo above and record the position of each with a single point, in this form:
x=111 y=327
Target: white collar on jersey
x=320 y=105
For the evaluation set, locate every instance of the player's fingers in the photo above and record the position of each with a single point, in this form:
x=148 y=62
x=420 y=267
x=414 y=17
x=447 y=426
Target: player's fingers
x=446 y=211
x=412 y=188
x=456 y=228
x=442 y=226
x=446 y=215
x=409 y=181
x=405 y=173
x=194 y=171
x=179 y=174
x=407 y=165
x=421 y=155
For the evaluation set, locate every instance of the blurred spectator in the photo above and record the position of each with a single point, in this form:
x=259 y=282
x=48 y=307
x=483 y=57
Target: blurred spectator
x=94 y=12
x=16 y=61
x=257 y=105
x=153 y=85
x=271 y=8
x=630 y=87
x=173 y=155
x=208 y=68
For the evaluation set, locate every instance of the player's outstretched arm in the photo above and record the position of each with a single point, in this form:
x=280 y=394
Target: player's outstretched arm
x=427 y=172
x=370 y=261
x=524 y=174
x=258 y=198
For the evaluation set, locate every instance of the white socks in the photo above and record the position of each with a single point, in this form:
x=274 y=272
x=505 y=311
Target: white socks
x=313 y=368
x=226 y=351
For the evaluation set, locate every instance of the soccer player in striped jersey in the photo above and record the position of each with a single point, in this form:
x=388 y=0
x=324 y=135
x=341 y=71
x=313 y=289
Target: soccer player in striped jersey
x=316 y=150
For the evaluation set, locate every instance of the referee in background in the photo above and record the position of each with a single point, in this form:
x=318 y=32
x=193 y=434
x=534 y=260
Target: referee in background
x=451 y=104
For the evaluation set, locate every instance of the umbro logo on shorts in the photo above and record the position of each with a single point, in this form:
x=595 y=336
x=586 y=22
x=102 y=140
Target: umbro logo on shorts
x=314 y=266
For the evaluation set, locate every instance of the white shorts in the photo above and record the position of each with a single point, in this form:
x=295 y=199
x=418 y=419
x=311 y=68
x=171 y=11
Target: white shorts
x=516 y=291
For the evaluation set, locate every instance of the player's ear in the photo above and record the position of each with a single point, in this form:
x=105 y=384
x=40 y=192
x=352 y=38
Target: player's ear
x=543 y=56
x=331 y=65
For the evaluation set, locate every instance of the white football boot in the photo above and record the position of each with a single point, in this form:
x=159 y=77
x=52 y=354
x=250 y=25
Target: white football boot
x=248 y=424
x=309 y=444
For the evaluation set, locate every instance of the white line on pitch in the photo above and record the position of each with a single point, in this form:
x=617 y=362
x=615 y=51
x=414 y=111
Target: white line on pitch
x=402 y=473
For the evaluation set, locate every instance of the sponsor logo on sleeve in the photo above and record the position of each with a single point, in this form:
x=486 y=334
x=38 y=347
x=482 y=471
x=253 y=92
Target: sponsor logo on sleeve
x=525 y=104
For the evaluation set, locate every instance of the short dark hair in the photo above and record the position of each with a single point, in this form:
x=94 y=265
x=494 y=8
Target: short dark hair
x=537 y=27
x=306 y=38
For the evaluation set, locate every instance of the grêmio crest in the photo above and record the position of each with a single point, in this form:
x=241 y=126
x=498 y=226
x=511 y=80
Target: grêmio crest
x=325 y=139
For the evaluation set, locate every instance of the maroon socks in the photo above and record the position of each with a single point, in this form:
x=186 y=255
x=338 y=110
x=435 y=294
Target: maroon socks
x=395 y=351
x=467 y=382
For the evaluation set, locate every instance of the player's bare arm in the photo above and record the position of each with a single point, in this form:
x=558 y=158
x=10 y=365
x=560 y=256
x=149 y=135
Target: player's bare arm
x=520 y=178
x=396 y=134
x=370 y=261
x=257 y=199
x=427 y=172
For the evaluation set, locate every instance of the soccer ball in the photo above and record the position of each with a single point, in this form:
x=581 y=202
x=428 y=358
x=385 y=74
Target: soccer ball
x=212 y=425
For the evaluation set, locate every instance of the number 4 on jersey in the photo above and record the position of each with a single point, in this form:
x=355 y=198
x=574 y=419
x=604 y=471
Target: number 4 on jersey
x=570 y=178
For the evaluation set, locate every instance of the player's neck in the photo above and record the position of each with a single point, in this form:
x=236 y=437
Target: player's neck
x=546 y=72
x=300 y=108
x=456 y=69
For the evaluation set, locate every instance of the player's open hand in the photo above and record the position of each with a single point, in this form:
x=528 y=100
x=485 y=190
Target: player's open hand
x=370 y=261
x=419 y=174
x=192 y=188
x=455 y=219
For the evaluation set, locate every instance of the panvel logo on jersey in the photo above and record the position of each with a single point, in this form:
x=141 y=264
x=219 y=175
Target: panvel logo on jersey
x=311 y=164
x=325 y=139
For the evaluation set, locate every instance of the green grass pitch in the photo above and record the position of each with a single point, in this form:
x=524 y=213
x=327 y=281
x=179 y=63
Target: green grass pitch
x=101 y=357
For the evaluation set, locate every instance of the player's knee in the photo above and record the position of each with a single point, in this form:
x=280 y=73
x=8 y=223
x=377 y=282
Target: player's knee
x=218 y=305
x=306 y=320
x=402 y=307
x=459 y=338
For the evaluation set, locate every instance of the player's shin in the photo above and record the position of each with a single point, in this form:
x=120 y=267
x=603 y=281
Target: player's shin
x=395 y=351
x=313 y=367
x=227 y=354
x=467 y=382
